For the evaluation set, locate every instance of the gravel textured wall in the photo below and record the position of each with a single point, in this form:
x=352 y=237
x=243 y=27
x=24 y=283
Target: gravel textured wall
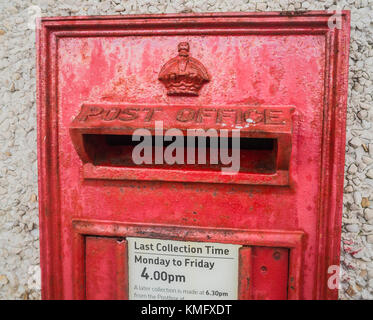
x=19 y=234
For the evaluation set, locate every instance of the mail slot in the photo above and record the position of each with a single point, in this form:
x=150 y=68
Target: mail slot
x=191 y=156
x=104 y=137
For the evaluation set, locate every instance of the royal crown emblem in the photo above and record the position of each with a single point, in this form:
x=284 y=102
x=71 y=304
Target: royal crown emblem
x=183 y=75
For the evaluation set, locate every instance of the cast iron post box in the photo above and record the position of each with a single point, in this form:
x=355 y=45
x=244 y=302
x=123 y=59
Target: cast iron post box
x=258 y=219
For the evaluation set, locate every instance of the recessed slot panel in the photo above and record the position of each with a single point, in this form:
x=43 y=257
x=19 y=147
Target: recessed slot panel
x=254 y=155
x=251 y=146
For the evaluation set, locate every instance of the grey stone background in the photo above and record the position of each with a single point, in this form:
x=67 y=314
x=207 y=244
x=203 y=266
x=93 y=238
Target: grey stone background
x=19 y=233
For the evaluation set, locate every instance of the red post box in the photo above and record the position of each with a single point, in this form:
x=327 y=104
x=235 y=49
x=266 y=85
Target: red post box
x=260 y=218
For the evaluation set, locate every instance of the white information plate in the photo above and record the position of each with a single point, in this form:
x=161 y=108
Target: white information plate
x=178 y=270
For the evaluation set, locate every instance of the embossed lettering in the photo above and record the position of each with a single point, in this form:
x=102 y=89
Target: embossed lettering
x=111 y=114
x=223 y=113
x=129 y=114
x=185 y=115
x=274 y=117
x=244 y=117
x=204 y=113
x=253 y=116
x=89 y=111
x=149 y=115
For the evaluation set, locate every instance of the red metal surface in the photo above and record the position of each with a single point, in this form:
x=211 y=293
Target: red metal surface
x=252 y=241
x=245 y=274
x=272 y=122
x=105 y=265
x=270 y=273
x=92 y=197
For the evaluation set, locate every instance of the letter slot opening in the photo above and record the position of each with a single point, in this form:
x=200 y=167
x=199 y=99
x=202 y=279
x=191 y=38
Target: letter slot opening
x=106 y=146
x=256 y=155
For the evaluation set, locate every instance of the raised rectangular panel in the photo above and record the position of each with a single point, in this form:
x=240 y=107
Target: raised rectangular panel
x=270 y=273
x=105 y=268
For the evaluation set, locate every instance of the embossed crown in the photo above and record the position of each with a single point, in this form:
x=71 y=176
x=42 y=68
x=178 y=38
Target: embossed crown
x=183 y=75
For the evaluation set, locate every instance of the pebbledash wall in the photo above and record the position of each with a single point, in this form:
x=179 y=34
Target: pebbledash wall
x=19 y=233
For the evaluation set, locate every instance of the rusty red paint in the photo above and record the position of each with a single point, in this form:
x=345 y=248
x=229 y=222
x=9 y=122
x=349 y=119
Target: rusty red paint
x=105 y=277
x=105 y=162
x=270 y=274
x=288 y=199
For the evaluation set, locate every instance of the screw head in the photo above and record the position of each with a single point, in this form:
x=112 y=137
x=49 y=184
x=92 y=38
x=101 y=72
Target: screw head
x=276 y=255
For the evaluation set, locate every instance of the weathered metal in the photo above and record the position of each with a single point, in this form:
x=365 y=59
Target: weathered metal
x=280 y=78
x=183 y=75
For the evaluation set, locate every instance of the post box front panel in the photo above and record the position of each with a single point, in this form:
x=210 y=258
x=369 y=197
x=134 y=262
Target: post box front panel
x=256 y=63
x=105 y=276
x=105 y=268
